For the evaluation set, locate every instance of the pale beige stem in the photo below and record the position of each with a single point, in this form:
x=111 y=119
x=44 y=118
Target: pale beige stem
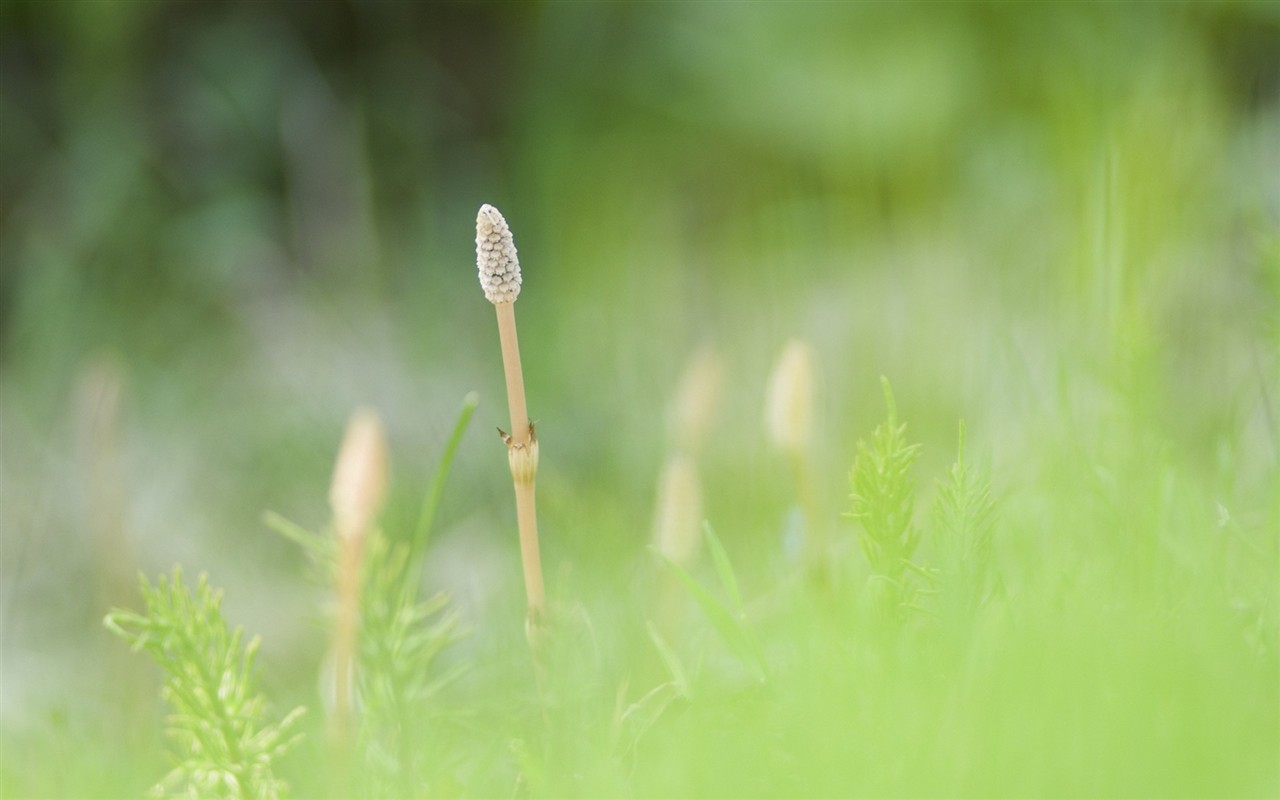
x=526 y=514
x=520 y=431
x=346 y=635
x=356 y=495
x=522 y=455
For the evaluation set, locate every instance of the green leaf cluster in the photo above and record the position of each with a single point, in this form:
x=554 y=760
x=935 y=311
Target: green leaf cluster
x=883 y=501
x=402 y=636
x=223 y=743
x=728 y=618
x=401 y=639
x=963 y=521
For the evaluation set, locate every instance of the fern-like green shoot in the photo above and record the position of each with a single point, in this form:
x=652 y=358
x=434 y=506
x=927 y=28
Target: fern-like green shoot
x=963 y=520
x=883 y=494
x=398 y=676
x=223 y=744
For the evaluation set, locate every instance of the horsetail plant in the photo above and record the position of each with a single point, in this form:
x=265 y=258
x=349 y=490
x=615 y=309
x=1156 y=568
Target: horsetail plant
x=499 y=270
x=882 y=502
x=789 y=422
x=678 y=517
x=356 y=495
x=385 y=639
x=678 y=511
x=401 y=679
x=963 y=520
x=223 y=744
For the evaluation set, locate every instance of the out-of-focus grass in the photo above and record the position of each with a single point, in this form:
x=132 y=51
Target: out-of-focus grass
x=1057 y=223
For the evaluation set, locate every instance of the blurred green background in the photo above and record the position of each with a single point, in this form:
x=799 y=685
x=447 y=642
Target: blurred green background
x=224 y=225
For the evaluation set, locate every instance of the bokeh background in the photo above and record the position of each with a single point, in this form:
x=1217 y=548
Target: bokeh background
x=225 y=225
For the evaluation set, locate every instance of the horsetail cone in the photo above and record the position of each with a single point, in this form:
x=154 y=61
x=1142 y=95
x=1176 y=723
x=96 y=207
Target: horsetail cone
x=496 y=257
x=499 y=270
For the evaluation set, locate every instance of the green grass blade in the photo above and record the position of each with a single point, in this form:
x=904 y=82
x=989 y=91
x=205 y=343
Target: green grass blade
x=631 y=725
x=320 y=546
x=675 y=667
x=731 y=627
x=727 y=577
x=435 y=490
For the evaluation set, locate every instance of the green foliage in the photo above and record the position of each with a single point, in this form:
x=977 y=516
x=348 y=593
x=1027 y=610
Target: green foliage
x=673 y=663
x=431 y=500
x=223 y=746
x=399 y=682
x=322 y=551
x=397 y=678
x=401 y=638
x=1054 y=220
x=883 y=502
x=729 y=619
x=963 y=521
x=883 y=497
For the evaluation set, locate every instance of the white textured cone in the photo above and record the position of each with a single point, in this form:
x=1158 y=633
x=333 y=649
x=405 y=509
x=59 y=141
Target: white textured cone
x=496 y=257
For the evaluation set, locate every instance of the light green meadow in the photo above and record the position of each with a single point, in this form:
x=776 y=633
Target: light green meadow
x=1008 y=525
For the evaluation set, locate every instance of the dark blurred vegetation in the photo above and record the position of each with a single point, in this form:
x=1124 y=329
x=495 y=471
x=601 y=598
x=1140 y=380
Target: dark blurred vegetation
x=223 y=225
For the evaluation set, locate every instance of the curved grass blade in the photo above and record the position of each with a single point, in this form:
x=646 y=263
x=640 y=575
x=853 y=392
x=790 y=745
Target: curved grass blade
x=727 y=577
x=732 y=627
x=435 y=490
x=679 y=677
x=321 y=547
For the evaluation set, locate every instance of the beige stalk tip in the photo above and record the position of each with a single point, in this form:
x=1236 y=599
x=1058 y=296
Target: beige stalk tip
x=496 y=257
x=789 y=409
x=678 y=521
x=360 y=476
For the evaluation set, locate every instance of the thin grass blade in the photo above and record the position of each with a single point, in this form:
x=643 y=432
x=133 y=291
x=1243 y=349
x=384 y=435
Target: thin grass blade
x=435 y=490
x=728 y=578
x=731 y=627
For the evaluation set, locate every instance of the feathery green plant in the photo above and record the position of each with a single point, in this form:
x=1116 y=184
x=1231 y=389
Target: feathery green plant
x=963 y=520
x=223 y=745
x=401 y=638
x=396 y=676
x=882 y=502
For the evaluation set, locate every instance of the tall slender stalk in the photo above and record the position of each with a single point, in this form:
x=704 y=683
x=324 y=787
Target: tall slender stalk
x=789 y=419
x=499 y=270
x=356 y=496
